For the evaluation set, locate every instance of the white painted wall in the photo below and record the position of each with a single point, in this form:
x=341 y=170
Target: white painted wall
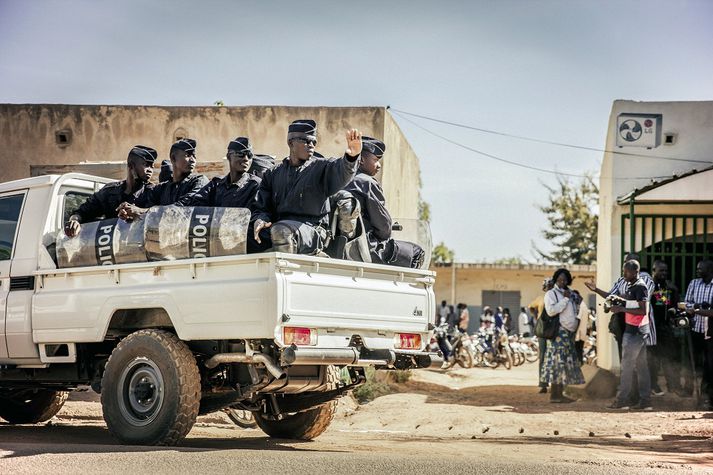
x=620 y=174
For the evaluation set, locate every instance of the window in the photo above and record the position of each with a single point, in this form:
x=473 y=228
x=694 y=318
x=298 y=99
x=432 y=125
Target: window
x=72 y=201
x=10 y=207
x=63 y=137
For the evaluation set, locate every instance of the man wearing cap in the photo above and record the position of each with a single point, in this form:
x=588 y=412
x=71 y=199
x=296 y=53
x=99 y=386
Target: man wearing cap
x=293 y=198
x=104 y=203
x=261 y=164
x=238 y=188
x=176 y=191
x=377 y=220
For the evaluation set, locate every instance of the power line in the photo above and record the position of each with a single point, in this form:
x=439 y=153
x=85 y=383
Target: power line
x=548 y=142
x=510 y=162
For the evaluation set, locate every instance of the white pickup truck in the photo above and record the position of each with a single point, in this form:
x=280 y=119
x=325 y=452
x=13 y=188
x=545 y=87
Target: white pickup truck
x=280 y=335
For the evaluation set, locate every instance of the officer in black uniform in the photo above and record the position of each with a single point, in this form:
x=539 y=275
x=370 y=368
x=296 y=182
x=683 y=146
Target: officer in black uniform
x=104 y=203
x=377 y=220
x=293 y=198
x=261 y=164
x=238 y=188
x=166 y=172
x=177 y=191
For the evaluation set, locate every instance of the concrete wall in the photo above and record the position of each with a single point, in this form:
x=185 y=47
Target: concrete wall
x=466 y=282
x=692 y=122
x=106 y=133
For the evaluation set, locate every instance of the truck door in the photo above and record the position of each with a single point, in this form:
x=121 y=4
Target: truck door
x=10 y=209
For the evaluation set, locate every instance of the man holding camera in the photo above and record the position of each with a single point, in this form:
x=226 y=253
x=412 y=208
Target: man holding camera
x=699 y=299
x=637 y=333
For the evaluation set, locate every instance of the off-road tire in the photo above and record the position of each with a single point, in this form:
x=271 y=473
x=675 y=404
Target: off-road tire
x=305 y=425
x=162 y=370
x=30 y=406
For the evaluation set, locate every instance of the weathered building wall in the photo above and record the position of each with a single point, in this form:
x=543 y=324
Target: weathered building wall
x=466 y=282
x=106 y=133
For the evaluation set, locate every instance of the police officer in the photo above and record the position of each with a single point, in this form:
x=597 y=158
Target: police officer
x=293 y=198
x=377 y=220
x=176 y=191
x=238 y=188
x=166 y=172
x=104 y=203
x=261 y=164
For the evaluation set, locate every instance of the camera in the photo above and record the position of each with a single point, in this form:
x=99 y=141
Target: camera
x=679 y=318
x=613 y=301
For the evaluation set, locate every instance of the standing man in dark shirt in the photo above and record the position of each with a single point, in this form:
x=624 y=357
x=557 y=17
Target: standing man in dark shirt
x=293 y=198
x=104 y=203
x=636 y=335
x=377 y=220
x=665 y=354
x=238 y=188
x=177 y=191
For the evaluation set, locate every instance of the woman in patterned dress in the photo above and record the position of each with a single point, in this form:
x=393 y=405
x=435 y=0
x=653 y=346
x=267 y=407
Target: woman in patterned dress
x=562 y=367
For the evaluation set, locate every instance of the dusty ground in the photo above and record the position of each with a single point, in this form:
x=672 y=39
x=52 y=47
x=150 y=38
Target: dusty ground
x=467 y=420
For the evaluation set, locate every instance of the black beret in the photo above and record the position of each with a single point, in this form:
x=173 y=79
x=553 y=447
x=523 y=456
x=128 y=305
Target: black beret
x=142 y=151
x=187 y=145
x=262 y=163
x=240 y=145
x=302 y=127
x=372 y=145
x=166 y=165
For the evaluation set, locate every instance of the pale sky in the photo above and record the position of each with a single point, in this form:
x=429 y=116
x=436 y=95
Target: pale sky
x=545 y=69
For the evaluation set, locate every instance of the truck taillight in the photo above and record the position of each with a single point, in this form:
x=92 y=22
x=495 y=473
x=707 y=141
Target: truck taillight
x=299 y=336
x=407 y=341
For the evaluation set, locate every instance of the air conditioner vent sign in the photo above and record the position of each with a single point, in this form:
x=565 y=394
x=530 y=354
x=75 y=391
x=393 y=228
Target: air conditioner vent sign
x=638 y=130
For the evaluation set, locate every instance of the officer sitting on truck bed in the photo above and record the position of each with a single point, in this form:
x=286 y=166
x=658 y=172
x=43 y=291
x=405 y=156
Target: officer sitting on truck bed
x=293 y=198
x=377 y=220
x=104 y=203
x=183 y=184
x=238 y=188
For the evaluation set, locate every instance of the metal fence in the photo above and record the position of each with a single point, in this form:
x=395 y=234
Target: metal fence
x=679 y=240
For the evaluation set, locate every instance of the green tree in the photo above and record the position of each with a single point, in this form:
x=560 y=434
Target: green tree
x=442 y=254
x=572 y=216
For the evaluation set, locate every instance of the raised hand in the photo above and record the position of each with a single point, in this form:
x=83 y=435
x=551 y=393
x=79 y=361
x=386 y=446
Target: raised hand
x=353 y=143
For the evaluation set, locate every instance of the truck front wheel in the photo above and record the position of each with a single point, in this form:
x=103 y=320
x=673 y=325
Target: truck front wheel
x=30 y=406
x=150 y=389
x=306 y=425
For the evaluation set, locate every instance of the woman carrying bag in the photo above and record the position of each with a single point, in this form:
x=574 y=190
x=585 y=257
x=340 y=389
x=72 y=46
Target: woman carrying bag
x=561 y=366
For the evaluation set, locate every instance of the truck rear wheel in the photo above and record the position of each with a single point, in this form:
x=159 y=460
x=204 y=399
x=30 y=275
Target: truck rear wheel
x=306 y=425
x=151 y=389
x=30 y=406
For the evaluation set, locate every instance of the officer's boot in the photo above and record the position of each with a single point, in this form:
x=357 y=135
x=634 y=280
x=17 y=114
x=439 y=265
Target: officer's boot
x=556 y=393
x=283 y=239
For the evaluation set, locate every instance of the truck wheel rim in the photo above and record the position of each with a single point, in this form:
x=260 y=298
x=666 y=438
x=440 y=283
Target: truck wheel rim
x=140 y=392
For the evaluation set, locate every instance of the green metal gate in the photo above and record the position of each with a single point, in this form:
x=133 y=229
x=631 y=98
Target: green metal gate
x=679 y=240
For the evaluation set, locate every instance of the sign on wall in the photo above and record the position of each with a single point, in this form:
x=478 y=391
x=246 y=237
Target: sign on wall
x=639 y=130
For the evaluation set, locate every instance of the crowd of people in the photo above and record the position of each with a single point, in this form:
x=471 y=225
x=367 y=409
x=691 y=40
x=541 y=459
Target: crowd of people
x=658 y=331
x=291 y=202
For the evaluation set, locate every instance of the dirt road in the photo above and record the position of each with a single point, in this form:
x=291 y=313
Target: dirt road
x=467 y=421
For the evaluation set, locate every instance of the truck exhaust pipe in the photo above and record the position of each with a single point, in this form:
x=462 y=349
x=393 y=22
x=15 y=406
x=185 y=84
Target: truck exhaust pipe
x=255 y=358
